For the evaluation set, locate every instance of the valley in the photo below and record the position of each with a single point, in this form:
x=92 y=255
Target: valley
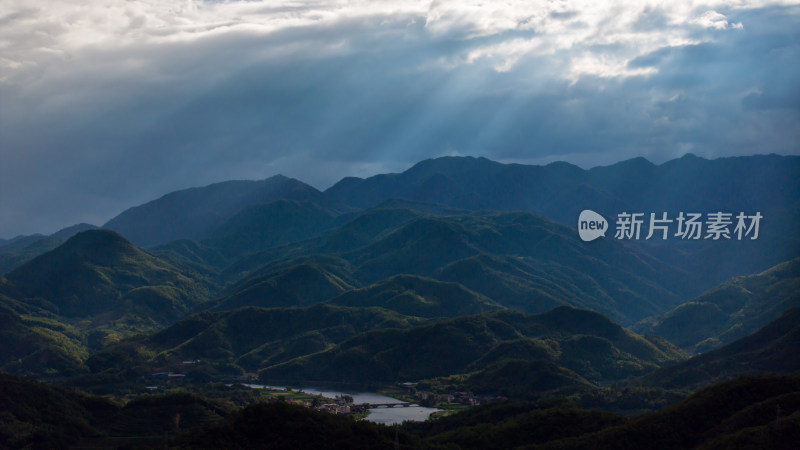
x=477 y=298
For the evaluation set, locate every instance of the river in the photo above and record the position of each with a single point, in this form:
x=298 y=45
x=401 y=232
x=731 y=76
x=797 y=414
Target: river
x=388 y=416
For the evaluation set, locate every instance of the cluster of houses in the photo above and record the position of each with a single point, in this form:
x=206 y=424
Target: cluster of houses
x=461 y=397
x=339 y=405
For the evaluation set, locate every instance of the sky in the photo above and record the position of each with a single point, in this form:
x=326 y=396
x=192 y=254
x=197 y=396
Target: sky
x=108 y=104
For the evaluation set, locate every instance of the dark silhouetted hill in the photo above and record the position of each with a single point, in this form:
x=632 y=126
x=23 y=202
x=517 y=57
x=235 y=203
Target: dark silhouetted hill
x=195 y=213
x=559 y=191
x=18 y=251
x=773 y=349
x=286 y=426
x=740 y=413
x=262 y=226
x=732 y=310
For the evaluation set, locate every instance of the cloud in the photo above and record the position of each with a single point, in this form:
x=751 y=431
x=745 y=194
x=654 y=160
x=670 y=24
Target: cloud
x=109 y=104
x=715 y=20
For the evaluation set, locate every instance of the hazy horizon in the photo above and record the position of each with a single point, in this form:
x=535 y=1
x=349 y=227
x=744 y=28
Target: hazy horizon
x=324 y=188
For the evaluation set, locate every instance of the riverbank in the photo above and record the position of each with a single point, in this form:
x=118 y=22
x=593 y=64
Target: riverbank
x=388 y=410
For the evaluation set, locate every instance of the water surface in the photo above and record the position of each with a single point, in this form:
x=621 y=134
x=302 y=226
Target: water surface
x=385 y=415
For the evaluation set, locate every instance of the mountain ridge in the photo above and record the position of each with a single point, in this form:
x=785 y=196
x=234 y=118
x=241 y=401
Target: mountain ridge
x=453 y=346
x=770 y=350
x=731 y=310
x=194 y=212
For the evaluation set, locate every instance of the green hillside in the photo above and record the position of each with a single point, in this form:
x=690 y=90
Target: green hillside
x=584 y=342
x=520 y=379
x=92 y=291
x=360 y=230
x=18 y=251
x=306 y=283
x=91 y=273
x=560 y=191
x=195 y=256
x=773 y=349
x=246 y=339
x=732 y=310
x=35 y=341
x=519 y=260
x=418 y=296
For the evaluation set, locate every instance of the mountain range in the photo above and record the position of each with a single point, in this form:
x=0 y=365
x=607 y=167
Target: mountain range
x=232 y=219
x=558 y=191
x=457 y=274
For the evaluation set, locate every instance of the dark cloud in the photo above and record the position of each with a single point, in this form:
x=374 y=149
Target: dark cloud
x=85 y=134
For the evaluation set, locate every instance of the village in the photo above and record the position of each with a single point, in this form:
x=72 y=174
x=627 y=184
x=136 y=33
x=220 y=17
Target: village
x=407 y=394
x=445 y=399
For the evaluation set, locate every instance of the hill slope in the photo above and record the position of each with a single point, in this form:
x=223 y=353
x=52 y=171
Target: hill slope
x=735 y=414
x=560 y=191
x=418 y=296
x=35 y=341
x=582 y=341
x=93 y=290
x=302 y=282
x=92 y=272
x=195 y=213
x=732 y=310
x=37 y=415
x=519 y=260
x=18 y=251
x=249 y=338
x=773 y=349
x=262 y=226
